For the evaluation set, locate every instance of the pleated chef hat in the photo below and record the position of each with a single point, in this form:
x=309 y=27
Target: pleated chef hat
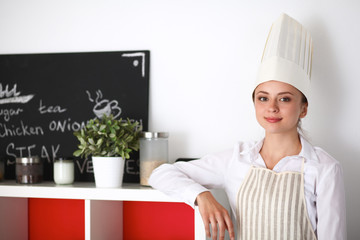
x=287 y=55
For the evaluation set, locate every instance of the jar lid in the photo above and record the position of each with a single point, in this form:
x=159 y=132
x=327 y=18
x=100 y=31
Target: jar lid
x=154 y=134
x=33 y=159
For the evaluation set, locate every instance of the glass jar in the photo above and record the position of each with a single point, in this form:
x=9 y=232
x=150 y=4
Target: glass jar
x=64 y=171
x=29 y=170
x=153 y=153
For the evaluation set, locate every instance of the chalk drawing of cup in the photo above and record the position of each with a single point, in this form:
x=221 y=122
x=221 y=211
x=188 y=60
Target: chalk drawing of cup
x=107 y=107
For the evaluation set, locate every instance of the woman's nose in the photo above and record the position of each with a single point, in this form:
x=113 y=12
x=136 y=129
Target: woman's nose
x=273 y=106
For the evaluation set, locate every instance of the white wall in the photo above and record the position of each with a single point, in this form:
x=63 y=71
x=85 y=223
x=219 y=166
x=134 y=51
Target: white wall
x=204 y=58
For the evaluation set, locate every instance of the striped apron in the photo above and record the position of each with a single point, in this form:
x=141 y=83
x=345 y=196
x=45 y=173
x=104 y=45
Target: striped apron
x=272 y=206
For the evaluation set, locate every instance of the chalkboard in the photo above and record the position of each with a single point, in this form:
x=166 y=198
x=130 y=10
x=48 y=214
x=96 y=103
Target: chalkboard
x=44 y=98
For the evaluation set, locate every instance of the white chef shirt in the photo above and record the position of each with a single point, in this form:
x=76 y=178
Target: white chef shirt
x=323 y=181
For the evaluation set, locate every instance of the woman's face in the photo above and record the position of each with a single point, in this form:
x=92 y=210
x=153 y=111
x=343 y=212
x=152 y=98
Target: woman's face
x=278 y=106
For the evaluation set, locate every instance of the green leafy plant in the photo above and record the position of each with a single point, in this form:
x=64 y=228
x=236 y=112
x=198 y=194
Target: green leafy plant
x=108 y=137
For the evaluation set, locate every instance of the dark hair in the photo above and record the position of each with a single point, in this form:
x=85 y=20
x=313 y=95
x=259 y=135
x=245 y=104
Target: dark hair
x=304 y=98
x=300 y=129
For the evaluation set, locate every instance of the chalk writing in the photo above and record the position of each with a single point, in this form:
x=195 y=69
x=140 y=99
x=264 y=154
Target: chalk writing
x=86 y=166
x=5 y=92
x=7 y=113
x=22 y=130
x=54 y=151
x=50 y=109
x=131 y=167
x=136 y=62
x=65 y=125
x=104 y=106
x=28 y=151
x=12 y=95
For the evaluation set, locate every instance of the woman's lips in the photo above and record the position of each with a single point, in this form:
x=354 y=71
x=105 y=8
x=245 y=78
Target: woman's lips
x=273 y=119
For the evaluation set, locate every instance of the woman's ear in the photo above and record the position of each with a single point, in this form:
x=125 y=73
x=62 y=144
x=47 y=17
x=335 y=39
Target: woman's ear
x=304 y=108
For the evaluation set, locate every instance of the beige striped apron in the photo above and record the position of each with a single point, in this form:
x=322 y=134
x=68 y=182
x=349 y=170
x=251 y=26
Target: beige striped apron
x=272 y=206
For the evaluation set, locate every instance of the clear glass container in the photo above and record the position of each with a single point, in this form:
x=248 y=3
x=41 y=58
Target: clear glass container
x=153 y=153
x=29 y=170
x=64 y=171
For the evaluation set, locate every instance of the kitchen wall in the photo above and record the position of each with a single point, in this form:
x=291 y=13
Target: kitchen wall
x=204 y=59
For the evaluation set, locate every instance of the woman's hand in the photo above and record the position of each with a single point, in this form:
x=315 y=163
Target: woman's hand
x=213 y=213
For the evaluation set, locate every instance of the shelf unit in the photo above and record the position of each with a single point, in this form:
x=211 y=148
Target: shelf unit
x=99 y=205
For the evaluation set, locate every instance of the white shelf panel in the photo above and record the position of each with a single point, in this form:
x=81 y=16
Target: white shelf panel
x=88 y=192
x=83 y=190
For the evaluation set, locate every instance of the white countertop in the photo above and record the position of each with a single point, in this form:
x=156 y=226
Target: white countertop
x=82 y=190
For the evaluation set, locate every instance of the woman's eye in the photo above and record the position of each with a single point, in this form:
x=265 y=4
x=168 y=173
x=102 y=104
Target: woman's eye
x=285 y=99
x=263 y=99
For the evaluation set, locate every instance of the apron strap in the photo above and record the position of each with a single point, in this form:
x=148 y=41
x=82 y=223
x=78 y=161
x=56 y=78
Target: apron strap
x=302 y=165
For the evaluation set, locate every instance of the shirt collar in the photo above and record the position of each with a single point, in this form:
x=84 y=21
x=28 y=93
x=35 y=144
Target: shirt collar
x=253 y=151
x=307 y=150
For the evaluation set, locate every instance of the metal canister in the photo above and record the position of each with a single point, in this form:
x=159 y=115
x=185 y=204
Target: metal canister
x=29 y=170
x=153 y=153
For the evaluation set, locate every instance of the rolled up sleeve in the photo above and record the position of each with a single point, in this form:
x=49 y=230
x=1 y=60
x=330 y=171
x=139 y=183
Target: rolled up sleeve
x=185 y=180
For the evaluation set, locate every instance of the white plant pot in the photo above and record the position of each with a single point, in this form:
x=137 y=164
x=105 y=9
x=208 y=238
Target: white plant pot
x=108 y=171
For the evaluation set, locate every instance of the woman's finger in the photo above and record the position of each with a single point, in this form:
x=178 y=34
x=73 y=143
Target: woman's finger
x=207 y=227
x=230 y=227
x=214 y=229
x=222 y=228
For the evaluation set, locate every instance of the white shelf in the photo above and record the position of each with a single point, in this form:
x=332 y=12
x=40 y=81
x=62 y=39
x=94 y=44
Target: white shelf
x=13 y=205
x=83 y=190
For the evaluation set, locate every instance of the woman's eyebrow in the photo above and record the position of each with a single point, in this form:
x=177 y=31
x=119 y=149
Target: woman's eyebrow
x=263 y=92
x=282 y=93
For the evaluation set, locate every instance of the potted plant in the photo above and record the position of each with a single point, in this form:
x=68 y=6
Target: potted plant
x=109 y=142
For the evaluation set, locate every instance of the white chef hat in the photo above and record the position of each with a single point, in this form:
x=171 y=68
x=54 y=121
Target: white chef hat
x=287 y=55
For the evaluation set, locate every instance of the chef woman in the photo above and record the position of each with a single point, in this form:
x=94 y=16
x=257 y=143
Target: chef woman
x=281 y=187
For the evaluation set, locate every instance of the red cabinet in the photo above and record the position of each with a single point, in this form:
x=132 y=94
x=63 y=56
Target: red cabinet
x=81 y=211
